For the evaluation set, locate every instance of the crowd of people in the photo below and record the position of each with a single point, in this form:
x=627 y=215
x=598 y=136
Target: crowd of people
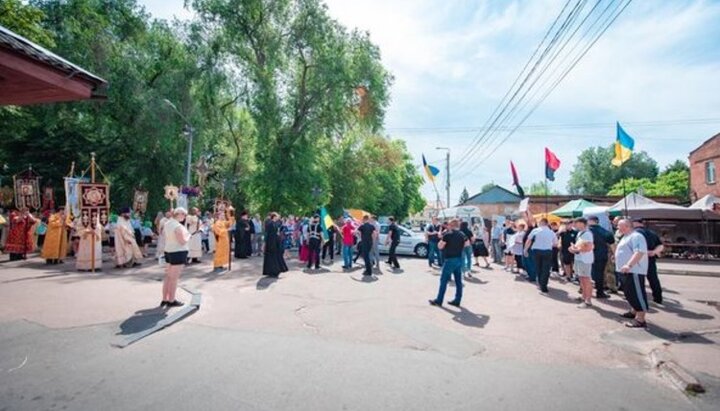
x=600 y=261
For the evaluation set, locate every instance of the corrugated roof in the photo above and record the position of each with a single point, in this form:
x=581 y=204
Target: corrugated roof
x=11 y=40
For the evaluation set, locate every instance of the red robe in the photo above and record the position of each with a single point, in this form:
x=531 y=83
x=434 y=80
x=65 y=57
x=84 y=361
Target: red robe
x=20 y=238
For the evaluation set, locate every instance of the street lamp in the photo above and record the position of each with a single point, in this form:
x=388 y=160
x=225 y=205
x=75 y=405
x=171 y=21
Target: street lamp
x=188 y=133
x=447 y=173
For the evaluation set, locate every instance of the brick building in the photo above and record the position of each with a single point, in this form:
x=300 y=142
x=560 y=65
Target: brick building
x=704 y=165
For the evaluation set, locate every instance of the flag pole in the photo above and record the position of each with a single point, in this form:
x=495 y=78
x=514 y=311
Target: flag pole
x=437 y=193
x=546 y=196
x=622 y=178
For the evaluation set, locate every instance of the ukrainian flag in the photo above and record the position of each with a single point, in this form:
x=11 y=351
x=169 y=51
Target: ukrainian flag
x=624 y=145
x=430 y=171
x=325 y=222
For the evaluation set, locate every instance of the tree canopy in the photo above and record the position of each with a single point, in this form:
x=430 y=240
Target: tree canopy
x=286 y=103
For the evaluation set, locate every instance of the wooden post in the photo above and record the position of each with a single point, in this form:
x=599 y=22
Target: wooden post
x=92 y=235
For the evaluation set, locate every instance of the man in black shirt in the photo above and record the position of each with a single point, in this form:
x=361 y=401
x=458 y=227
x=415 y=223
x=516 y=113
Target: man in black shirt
x=655 y=248
x=432 y=233
x=567 y=238
x=602 y=239
x=394 y=239
x=330 y=243
x=314 y=241
x=452 y=245
x=367 y=237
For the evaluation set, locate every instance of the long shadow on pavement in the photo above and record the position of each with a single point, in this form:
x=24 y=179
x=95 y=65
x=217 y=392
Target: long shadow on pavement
x=467 y=317
x=142 y=320
x=265 y=282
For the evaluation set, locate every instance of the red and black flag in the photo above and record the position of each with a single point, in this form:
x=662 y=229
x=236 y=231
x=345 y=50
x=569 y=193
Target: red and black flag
x=552 y=163
x=516 y=180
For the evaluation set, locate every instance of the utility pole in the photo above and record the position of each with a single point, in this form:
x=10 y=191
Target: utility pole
x=447 y=173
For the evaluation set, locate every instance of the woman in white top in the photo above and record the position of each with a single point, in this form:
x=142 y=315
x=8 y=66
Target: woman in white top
x=176 y=252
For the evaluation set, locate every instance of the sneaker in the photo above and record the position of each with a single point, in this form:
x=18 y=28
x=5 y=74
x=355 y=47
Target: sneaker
x=454 y=303
x=584 y=304
x=175 y=303
x=435 y=303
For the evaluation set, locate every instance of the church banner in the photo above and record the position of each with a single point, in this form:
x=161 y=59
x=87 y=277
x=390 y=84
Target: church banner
x=94 y=201
x=27 y=190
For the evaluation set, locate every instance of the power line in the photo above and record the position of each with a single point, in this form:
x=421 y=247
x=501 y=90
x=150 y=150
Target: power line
x=504 y=102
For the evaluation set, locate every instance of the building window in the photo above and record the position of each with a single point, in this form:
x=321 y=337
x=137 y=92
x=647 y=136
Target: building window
x=710 y=176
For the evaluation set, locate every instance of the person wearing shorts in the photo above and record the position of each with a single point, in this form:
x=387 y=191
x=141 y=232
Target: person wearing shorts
x=582 y=248
x=177 y=238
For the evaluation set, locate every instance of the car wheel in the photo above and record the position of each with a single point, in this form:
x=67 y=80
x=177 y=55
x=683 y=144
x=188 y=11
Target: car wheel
x=421 y=250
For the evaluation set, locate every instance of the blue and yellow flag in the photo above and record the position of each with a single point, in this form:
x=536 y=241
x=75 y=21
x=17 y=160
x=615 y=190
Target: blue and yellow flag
x=624 y=145
x=430 y=171
x=325 y=222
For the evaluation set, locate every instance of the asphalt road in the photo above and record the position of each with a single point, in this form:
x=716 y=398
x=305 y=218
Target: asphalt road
x=318 y=341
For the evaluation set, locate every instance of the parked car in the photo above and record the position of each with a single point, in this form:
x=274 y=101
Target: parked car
x=411 y=242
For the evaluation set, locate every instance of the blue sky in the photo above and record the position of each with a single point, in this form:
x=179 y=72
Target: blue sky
x=454 y=60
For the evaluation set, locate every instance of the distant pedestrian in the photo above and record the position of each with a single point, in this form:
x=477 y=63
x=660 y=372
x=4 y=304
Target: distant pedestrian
x=631 y=264
x=602 y=239
x=314 y=241
x=541 y=241
x=393 y=239
x=480 y=249
x=467 y=251
x=506 y=243
x=348 y=240
x=584 y=258
x=655 y=248
x=376 y=241
x=432 y=234
x=273 y=261
x=452 y=244
x=367 y=236
x=495 y=239
x=567 y=235
x=176 y=254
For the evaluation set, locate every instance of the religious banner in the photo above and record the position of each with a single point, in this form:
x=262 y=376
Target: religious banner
x=27 y=190
x=140 y=200
x=94 y=201
x=222 y=205
x=72 y=200
x=6 y=196
x=48 y=198
x=182 y=201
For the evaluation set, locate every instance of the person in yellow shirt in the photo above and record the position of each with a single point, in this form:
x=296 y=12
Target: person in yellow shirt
x=56 y=241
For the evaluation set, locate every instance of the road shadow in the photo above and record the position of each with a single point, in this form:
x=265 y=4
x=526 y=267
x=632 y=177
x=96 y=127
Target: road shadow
x=38 y=277
x=397 y=271
x=315 y=271
x=265 y=282
x=560 y=295
x=365 y=279
x=675 y=307
x=475 y=280
x=467 y=317
x=142 y=320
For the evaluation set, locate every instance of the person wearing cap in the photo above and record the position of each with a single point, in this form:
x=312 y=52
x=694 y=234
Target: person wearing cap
x=541 y=241
x=655 y=248
x=127 y=252
x=602 y=239
x=177 y=238
x=452 y=245
x=631 y=265
x=583 y=248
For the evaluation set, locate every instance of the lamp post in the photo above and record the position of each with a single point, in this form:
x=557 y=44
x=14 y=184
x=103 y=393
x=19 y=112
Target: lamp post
x=188 y=133
x=447 y=173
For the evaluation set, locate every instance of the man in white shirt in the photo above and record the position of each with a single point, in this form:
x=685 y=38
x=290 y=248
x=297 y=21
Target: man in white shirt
x=542 y=240
x=584 y=258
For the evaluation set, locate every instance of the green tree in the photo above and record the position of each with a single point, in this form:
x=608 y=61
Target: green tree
x=487 y=187
x=540 y=189
x=464 y=196
x=673 y=183
x=307 y=80
x=594 y=174
x=25 y=20
x=677 y=165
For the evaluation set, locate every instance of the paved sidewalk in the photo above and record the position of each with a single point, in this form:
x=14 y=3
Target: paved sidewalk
x=692 y=268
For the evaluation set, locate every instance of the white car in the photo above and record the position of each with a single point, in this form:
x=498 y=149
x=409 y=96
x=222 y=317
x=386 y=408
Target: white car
x=411 y=242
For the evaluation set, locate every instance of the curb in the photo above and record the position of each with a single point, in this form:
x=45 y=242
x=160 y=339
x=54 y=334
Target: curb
x=676 y=374
x=690 y=273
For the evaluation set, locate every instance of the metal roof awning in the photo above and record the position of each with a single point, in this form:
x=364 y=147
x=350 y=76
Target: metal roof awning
x=31 y=74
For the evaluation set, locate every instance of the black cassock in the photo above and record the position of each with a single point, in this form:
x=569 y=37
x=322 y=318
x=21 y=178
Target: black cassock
x=243 y=239
x=274 y=262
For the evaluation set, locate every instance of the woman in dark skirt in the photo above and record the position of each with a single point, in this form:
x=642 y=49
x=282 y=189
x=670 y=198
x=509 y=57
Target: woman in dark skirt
x=479 y=247
x=274 y=262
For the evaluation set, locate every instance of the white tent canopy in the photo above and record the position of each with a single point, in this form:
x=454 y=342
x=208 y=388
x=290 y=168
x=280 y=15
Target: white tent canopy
x=643 y=207
x=464 y=212
x=706 y=203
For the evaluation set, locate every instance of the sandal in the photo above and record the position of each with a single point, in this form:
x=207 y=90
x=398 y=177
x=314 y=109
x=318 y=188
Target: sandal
x=636 y=324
